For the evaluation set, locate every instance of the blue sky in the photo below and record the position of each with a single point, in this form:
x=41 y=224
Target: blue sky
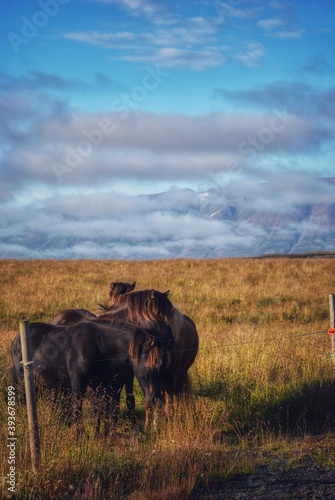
x=106 y=100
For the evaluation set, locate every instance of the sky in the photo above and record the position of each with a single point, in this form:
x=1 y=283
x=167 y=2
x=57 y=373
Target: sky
x=105 y=103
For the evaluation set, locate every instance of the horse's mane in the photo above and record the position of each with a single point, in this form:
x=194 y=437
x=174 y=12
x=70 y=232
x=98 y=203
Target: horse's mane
x=156 y=349
x=142 y=307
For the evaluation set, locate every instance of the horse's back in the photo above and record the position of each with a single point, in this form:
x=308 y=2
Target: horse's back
x=71 y=316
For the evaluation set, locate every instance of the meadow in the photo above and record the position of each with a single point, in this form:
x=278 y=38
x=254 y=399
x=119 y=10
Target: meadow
x=262 y=387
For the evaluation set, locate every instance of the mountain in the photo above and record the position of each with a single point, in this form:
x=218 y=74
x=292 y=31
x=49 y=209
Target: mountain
x=294 y=229
x=238 y=219
x=305 y=228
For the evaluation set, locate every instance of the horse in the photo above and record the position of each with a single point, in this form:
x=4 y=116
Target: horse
x=150 y=307
x=145 y=308
x=71 y=316
x=116 y=291
x=96 y=356
x=175 y=379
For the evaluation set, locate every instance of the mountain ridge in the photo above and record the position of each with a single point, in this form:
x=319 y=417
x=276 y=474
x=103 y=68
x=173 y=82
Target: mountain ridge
x=298 y=229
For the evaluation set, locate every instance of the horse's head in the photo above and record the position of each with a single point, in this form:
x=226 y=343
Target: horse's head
x=120 y=288
x=151 y=348
x=117 y=289
x=149 y=354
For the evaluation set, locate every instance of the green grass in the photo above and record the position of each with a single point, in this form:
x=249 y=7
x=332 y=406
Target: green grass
x=262 y=387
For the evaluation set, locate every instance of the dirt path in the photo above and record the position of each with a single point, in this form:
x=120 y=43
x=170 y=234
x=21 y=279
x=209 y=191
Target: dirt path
x=308 y=481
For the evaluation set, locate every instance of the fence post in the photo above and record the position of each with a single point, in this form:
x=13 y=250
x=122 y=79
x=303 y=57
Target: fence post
x=27 y=361
x=332 y=327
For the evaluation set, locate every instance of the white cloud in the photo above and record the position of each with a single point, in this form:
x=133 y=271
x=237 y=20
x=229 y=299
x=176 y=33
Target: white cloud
x=156 y=11
x=252 y=55
x=79 y=214
x=171 y=57
x=283 y=26
x=295 y=33
x=175 y=223
x=77 y=149
x=188 y=44
x=124 y=39
x=270 y=24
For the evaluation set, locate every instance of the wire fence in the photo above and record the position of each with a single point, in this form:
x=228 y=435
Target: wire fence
x=272 y=339
x=34 y=428
x=202 y=348
x=206 y=347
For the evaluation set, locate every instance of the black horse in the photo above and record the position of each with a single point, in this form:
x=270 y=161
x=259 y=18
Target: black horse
x=97 y=357
x=71 y=316
x=151 y=307
x=148 y=309
x=117 y=289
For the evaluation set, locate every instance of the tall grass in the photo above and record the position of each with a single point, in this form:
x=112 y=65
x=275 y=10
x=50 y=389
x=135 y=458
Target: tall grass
x=262 y=381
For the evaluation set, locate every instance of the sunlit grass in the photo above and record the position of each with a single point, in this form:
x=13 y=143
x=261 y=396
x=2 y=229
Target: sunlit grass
x=262 y=381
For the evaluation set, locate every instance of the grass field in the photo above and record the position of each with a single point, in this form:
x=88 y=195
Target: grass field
x=262 y=381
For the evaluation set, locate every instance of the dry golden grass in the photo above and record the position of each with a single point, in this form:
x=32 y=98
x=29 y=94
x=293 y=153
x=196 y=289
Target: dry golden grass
x=261 y=383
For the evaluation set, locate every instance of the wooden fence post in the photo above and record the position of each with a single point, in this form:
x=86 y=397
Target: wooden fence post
x=27 y=361
x=332 y=327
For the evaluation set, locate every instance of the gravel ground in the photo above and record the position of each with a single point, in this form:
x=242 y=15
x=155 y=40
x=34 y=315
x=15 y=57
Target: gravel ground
x=308 y=481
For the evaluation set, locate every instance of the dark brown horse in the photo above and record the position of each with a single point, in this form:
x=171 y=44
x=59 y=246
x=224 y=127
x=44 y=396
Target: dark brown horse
x=116 y=291
x=175 y=380
x=95 y=356
x=71 y=316
x=146 y=308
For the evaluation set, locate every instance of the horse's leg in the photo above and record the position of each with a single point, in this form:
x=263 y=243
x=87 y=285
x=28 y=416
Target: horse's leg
x=153 y=403
x=76 y=396
x=113 y=411
x=130 y=398
x=95 y=401
x=100 y=402
x=183 y=384
x=77 y=409
x=63 y=400
x=169 y=389
x=148 y=416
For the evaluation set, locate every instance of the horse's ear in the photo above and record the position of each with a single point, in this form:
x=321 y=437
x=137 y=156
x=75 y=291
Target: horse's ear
x=152 y=294
x=112 y=285
x=133 y=286
x=167 y=293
